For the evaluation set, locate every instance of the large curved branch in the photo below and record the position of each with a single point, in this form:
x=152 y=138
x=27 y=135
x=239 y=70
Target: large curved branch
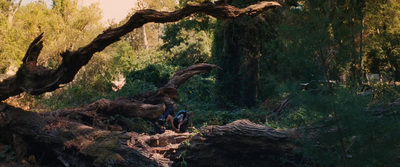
x=183 y=75
x=38 y=80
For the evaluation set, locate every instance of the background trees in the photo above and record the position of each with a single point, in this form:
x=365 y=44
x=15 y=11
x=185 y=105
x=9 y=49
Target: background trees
x=381 y=20
x=65 y=24
x=241 y=48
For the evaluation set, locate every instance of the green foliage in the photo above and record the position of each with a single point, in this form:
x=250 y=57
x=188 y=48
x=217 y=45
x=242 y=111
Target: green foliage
x=154 y=73
x=382 y=47
x=93 y=82
x=63 y=30
x=195 y=93
x=343 y=130
x=241 y=49
x=222 y=117
x=127 y=59
x=189 y=41
x=138 y=125
x=196 y=48
x=133 y=87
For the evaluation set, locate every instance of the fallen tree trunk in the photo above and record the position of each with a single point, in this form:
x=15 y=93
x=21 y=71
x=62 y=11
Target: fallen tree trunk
x=84 y=137
x=57 y=141
x=240 y=143
x=66 y=143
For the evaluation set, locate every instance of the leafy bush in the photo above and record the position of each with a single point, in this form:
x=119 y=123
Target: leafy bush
x=195 y=93
x=223 y=117
x=340 y=129
x=156 y=74
x=133 y=87
x=195 y=49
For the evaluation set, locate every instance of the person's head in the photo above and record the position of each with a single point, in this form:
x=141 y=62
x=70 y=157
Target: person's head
x=191 y=114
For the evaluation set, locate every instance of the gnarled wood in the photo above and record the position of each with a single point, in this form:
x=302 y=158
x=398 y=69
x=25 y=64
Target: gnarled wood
x=240 y=143
x=56 y=141
x=148 y=105
x=181 y=76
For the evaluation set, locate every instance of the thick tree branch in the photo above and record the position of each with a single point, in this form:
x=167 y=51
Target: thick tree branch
x=148 y=105
x=240 y=143
x=41 y=80
x=181 y=76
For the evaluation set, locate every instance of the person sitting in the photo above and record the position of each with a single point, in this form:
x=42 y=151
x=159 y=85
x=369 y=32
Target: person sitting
x=167 y=116
x=181 y=120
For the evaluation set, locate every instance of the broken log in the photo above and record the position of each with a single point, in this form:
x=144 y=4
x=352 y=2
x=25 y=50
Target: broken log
x=240 y=143
x=56 y=141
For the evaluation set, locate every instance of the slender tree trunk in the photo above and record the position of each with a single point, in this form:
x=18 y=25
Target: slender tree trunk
x=145 y=42
x=159 y=32
x=361 y=49
x=12 y=10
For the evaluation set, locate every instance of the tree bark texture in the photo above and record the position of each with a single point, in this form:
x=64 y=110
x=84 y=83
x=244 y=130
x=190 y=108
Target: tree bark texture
x=240 y=143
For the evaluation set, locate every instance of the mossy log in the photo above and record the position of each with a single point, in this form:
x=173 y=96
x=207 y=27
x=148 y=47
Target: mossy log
x=240 y=143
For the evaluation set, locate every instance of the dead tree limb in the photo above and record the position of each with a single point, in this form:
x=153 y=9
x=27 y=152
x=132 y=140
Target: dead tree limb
x=84 y=131
x=240 y=143
x=148 y=105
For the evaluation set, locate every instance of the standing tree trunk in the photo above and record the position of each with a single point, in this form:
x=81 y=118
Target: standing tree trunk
x=240 y=55
x=145 y=43
x=12 y=10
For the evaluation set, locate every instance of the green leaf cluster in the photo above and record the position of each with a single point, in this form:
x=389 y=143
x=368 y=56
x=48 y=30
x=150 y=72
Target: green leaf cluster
x=345 y=129
x=65 y=29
